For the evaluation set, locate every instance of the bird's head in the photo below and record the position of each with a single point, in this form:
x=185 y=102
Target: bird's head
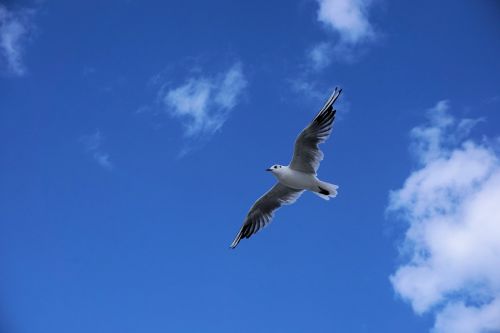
x=275 y=168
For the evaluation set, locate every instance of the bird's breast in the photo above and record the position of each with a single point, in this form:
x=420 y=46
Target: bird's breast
x=297 y=180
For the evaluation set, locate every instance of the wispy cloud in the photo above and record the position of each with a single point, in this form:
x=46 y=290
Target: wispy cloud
x=305 y=86
x=92 y=144
x=349 y=30
x=348 y=21
x=348 y=18
x=15 y=28
x=320 y=55
x=452 y=245
x=203 y=103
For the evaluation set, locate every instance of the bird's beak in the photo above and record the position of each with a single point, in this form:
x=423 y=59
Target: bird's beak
x=268 y=169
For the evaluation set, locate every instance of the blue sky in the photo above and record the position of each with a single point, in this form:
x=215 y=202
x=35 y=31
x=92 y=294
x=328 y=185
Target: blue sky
x=135 y=135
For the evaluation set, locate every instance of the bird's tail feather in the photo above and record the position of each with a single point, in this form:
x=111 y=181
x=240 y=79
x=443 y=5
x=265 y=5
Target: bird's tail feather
x=326 y=190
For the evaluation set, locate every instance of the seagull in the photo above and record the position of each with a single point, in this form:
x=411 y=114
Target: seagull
x=298 y=176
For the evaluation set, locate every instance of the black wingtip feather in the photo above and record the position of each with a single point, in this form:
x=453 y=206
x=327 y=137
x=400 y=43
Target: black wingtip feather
x=236 y=240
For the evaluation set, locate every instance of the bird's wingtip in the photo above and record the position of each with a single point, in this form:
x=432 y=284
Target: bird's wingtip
x=335 y=95
x=236 y=241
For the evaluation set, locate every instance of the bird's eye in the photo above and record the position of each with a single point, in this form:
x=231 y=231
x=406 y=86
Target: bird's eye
x=275 y=166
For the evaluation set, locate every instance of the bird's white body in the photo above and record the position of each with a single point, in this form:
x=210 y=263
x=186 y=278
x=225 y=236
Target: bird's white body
x=296 y=179
x=303 y=181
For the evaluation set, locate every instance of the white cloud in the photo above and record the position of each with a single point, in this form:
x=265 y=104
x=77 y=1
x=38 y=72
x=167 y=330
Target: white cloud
x=203 y=103
x=103 y=160
x=459 y=318
x=15 y=26
x=320 y=56
x=451 y=204
x=307 y=87
x=348 y=18
x=92 y=144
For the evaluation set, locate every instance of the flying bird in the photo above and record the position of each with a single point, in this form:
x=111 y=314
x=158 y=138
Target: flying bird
x=298 y=176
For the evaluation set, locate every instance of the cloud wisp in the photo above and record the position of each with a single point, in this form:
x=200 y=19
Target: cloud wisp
x=348 y=21
x=15 y=28
x=203 y=103
x=320 y=56
x=349 y=31
x=92 y=144
x=452 y=244
x=348 y=18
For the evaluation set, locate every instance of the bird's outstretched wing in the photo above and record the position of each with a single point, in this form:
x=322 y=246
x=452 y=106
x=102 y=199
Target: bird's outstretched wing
x=263 y=209
x=307 y=155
